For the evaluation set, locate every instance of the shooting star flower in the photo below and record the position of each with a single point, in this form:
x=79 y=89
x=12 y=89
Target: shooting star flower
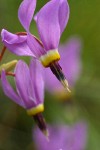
x=29 y=90
x=51 y=21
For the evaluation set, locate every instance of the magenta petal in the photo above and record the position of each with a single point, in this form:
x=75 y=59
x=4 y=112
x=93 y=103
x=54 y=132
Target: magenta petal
x=35 y=47
x=8 y=90
x=25 y=12
x=22 y=80
x=16 y=44
x=37 y=80
x=80 y=130
x=70 y=137
x=63 y=14
x=11 y=38
x=48 y=24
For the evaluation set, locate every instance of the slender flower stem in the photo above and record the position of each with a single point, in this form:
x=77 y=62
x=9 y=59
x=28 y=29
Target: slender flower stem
x=21 y=33
x=39 y=119
x=25 y=33
x=57 y=71
x=2 y=52
x=10 y=74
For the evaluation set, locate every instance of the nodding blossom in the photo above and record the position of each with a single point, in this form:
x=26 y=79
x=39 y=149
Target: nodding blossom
x=29 y=85
x=51 y=21
x=63 y=137
x=29 y=89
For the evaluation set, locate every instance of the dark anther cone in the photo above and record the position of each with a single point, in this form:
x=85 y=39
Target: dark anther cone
x=40 y=121
x=57 y=71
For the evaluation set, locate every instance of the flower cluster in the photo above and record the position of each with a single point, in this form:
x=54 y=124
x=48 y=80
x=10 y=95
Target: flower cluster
x=51 y=21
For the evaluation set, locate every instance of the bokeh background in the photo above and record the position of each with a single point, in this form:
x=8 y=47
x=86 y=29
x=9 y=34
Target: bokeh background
x=15 y=125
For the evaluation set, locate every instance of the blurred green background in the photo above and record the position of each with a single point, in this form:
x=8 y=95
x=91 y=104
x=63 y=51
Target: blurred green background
x=84 y=21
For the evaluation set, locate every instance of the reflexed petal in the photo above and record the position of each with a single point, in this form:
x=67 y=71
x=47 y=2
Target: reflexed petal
x=16 y=44
x=12 y=38
x=8 y=90
x=80 y=130
x=37 y=80
x=22 y=79
x=35 y=47
x=63 y=14
x=25 y=12
x=48 y=24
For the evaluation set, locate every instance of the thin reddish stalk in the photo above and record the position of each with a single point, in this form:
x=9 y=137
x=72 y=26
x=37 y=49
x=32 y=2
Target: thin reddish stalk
x=25 y=33
x=21 y=33
x=9 y=74
x=2 y=52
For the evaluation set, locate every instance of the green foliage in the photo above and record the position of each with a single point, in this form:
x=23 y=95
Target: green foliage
x=15 y=125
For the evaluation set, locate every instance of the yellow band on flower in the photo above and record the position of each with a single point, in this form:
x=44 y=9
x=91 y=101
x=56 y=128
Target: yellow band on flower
x=49 y=57
x=33 y=111
x=8 y=66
